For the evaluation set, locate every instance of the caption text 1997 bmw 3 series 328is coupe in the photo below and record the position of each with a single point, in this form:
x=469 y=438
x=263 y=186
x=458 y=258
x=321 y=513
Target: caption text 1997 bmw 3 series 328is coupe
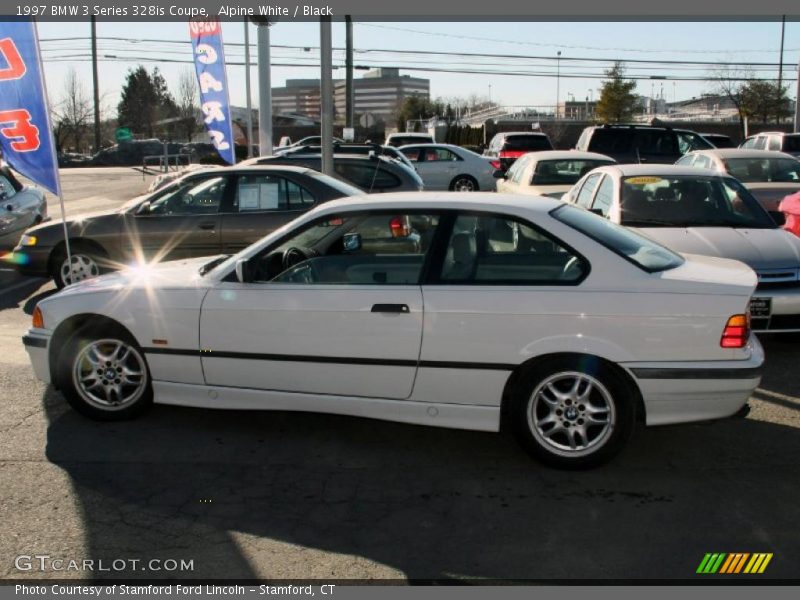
x=456 y=310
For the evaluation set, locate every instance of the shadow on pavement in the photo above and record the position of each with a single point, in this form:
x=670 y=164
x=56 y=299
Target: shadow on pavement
x=432 y=504
x=20 y=291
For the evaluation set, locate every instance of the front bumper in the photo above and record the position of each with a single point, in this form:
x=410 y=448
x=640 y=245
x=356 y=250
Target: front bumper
x=37 y=345
x=30 y=260
x=692 y=391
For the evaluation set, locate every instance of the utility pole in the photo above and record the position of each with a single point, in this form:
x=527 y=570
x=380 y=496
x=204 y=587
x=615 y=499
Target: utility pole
x=797 y=102
x=348 y=65
x=247 y=88
x=558 y=81
x=97 y=141
x=326 y=93
x=780 y=67
x=264 y=90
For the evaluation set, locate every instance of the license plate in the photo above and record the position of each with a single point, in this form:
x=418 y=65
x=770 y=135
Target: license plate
x=760 y=307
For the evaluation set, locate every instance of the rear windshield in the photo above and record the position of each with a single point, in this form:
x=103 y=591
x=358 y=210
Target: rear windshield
x=564 y=172
x=772 y=170
x=527 y=143
x=398 y=141
x=633 y=247
x=791 y=143
x=340 y=186
x=611 y=140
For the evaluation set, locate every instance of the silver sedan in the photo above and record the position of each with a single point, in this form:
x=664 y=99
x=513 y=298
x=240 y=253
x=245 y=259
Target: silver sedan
x=21 y=206
x=450 y=167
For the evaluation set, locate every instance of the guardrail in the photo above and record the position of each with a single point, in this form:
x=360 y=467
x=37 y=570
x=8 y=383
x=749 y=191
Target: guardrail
x=163 y=161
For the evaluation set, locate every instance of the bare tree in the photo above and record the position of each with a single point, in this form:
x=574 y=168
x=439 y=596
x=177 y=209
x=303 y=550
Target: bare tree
x=730 y=83
x=73 y=113
x=188 y=104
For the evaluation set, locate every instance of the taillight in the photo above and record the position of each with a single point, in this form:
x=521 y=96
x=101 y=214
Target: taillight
x=736 y=332
x=38 y=319
x=511 y=153
x=399 y=227
x=496 y=164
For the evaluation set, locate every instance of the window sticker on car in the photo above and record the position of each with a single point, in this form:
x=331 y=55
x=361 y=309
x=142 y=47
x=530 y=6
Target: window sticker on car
x=643 y=180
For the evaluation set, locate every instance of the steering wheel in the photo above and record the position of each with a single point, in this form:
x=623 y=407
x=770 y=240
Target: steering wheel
x=292 y=256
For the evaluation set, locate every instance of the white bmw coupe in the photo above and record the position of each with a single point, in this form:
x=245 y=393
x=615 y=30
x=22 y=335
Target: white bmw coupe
x=470 y=311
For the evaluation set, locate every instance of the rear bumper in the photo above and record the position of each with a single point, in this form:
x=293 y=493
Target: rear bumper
x=689 y=392
x=37 y=342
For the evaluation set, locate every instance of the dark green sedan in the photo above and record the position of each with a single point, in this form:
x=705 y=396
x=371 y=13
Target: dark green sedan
x=205 y=213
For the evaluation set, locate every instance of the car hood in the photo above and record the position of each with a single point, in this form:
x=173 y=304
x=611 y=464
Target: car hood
x=760 y=249
x=176 y=274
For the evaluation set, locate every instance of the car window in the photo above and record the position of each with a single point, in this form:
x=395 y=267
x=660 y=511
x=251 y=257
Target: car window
x=382 y=249
x=413 y=154
x=689 y=201
x=604 y=197
x=195 y=196
x=610 y=141
x=563 y=172
x=369 y=176
x=268 y=193
x=688 y=141
x=584 y=139
x=760 y=142
x=771 y=170
x=439 y=155
x=657 y=142
x=703 y=162
x=587 y=191
x=504 y=251
x=516 y=171
x=632 y=246
x=686 y=161
x=774 y=142
x=791 y=143
x=527 y=143
x=7 y=190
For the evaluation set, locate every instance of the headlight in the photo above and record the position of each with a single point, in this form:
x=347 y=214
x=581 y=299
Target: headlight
x=27 y=240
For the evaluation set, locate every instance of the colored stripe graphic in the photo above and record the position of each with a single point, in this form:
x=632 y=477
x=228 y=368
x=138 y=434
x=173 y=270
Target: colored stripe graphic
x=711 y=562
x=758 y=563
x=733 y=563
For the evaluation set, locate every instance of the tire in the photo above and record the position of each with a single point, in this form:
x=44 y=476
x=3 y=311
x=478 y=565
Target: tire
x=84 y=372
x=88 y=263
x=573 y=412
x=464 y=183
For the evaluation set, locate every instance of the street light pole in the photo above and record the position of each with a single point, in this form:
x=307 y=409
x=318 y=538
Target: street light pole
x=558 y=80
x=264 y=91
x=247 y=89
x=326 y=93
x=797 y=102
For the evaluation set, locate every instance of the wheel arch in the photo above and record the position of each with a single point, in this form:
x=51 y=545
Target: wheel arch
x=79 y=242
x=468 y=176
x=518 y=375
x=83 y=322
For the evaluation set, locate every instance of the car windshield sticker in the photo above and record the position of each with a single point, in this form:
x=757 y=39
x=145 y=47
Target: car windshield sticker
x=643 y=180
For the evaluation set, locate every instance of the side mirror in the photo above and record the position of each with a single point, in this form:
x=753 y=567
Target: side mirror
x=499 y=174
x=243 y=273
x=144 y=208
x=9 y=207
x=351 y=242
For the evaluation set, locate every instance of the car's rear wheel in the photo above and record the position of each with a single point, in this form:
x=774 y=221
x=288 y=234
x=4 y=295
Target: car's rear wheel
x=84 y=263
x=104 y=376
x=464 y=183
x=574 y=412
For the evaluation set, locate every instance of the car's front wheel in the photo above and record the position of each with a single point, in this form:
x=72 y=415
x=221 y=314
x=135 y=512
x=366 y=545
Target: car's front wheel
x=573 y=412
x=104 y=376
x=83 y=263
x=464 y=183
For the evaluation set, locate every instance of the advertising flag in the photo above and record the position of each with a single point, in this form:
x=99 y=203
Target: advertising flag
x=209 y=63
x=26 y=136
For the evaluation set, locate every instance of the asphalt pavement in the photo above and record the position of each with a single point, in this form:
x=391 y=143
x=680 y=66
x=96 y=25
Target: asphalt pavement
x=294 y=495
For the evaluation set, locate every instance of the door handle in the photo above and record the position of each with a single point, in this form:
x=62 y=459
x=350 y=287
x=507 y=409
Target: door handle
x=390 y=308
x=207 y=226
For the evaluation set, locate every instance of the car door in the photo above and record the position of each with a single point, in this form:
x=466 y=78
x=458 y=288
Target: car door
x=182 y=221
x=657 y=146
x=438 y=168
x=260 y=203
x=335 y=308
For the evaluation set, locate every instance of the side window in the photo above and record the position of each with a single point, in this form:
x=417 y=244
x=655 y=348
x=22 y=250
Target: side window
x=760 y=142
x=413 y=154
x=604 y=197
x=267 y=192
x=587 y=191
x=520 y=166
x=504 y=251
x=657 y=142
x=703 y=162
x=369 y=176
x=385 y=249
x=688 y=141
x=196 y=196
x=7 y=190
x=686 y=161
x=439 y=155
x=774 y=142
x=749 y=143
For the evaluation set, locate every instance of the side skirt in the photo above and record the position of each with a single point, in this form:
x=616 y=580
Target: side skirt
x=454 y=416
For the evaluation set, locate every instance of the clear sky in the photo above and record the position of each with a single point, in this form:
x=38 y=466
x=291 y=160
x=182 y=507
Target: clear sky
x=708 y=41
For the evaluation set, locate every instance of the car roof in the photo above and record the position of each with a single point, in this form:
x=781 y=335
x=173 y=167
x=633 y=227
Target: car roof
x=483 y=201
x=410 y=134
x=568 y=154
x=656 y=170
x=305 y=156
x=629 y=126
x=743 y=153
x=253 y=166
x=508 y=133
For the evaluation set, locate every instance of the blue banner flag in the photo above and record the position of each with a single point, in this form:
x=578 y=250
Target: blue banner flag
x=209 y=63
x=25 y=133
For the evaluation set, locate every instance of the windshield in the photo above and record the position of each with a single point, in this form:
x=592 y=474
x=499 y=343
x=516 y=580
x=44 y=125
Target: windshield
x=527 y=142
x=632 y=246
x=773 y=170
x=564 y=172
x=690 y=201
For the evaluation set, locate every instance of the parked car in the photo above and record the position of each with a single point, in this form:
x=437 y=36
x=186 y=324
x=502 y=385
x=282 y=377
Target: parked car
x=549 y=173
x=344 y=148
x=203 y=213
x=508 y=146
x=403 y=139
x=641 y=143
x=770 y=176
x=527 y=308
x=774 y=140
x=449 y=167
x=700 y=211
x=369 y=173
x=311 y=140
x=718 y=140
x=21 y=206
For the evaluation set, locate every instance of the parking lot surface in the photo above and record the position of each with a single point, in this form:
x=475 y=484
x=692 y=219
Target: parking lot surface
x=293 y=495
